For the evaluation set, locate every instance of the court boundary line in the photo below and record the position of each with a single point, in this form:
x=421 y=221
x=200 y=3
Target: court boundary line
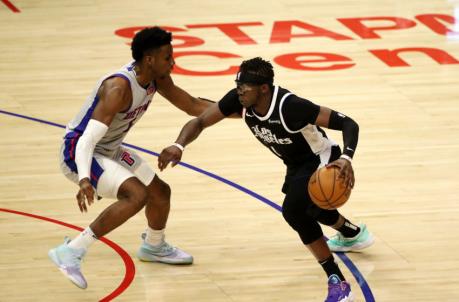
x=363 y=284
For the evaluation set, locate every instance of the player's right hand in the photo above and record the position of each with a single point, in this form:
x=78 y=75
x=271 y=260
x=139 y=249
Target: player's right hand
x=170 y=154
x=86 y=193
x=346 y=172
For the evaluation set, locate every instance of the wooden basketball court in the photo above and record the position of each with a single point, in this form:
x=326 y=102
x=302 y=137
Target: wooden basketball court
x=391 y=65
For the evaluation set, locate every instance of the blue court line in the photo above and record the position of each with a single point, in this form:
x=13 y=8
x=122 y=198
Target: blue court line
x=350 y=265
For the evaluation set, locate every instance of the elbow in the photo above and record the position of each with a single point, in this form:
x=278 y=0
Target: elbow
x=351 y=125
x=355 y=126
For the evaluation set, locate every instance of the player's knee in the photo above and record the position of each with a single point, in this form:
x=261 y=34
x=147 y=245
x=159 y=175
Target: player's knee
x=311 y=233
x=135 y=193
x=141 y=196
x=138 y=198
x=289 y=214
x=159 y=192
x=305 y=225
x=295 y=216
x=164 y=190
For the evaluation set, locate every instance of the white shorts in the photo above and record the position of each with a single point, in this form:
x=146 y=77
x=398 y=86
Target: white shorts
x=108 y=173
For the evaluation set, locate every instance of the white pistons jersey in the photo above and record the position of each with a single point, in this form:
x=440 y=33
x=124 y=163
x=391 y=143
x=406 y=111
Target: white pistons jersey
x=123 y=121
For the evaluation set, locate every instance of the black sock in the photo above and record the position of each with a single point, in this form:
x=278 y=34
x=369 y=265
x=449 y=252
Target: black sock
x=331 y=267
x=348 y=229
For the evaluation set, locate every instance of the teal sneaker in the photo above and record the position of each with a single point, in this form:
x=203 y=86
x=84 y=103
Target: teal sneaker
x=339 y=243
x=68 y=261
x=164 y=253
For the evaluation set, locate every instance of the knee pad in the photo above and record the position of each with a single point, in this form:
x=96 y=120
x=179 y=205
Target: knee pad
x=306 y=226
x=328 y=217
x=310 y=233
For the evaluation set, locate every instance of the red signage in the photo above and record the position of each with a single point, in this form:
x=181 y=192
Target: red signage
x=289 y=31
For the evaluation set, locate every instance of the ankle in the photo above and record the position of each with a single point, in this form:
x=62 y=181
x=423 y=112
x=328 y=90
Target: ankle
x=154 y=237
x=331 y=267
x=84 y=240
x=348 y=229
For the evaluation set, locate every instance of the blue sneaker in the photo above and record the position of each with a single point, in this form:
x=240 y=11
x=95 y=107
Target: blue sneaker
x=68 y=261
x=164 y=253
x=338 y=291
x=339 y=243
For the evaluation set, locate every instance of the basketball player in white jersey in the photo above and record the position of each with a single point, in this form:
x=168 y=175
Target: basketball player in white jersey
x=290 y=127
x=92 y=155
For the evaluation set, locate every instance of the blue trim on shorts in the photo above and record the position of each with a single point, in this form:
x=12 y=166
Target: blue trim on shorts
x=69 y=159
x=96 y=172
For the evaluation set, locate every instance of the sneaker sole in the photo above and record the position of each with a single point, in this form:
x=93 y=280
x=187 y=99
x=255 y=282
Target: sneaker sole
x=152 y=258
x=349 y=298
x=53 y=257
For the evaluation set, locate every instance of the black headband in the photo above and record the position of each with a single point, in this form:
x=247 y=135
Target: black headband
x=244 y=77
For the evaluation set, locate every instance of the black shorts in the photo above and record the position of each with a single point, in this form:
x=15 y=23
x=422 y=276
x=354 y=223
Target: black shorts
x=296 y=182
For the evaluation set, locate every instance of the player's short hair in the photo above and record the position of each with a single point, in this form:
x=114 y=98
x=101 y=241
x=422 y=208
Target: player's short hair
x=263 y=70
x=147 y=39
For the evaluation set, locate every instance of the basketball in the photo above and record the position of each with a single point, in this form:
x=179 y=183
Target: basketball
x=328 y=191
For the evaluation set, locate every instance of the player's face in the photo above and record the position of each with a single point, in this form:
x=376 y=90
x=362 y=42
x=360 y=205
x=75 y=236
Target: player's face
x=248 y=94
x=164 y=61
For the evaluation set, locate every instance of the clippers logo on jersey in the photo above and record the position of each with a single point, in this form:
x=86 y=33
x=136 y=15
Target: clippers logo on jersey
x=137 y=111
x=268 y=137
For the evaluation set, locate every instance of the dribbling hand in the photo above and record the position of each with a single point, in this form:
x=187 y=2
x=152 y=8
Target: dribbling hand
x=171 y=154
x=346 y=172
x=86 y=193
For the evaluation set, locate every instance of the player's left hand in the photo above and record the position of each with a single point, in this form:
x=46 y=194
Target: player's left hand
x=171 y=154
x=346 y=172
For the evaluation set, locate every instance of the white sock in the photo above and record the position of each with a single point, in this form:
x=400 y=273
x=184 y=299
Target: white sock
x=84 y=240
x=154 y=237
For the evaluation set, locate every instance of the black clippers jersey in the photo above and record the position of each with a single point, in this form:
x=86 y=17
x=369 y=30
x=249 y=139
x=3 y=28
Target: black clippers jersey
x=293 y=146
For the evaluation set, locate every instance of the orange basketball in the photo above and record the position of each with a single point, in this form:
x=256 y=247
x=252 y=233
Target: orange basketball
x=328 y=191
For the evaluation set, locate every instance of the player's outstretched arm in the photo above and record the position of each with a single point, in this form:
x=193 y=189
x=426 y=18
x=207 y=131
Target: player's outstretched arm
x=182 y=99
x=190 y=131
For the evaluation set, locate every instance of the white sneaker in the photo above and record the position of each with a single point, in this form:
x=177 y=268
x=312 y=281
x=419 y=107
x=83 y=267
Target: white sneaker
x=68 y=261
x=164 y=253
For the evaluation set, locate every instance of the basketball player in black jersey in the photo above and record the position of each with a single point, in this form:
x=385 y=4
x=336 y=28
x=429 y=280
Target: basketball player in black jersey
x=289 y=126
